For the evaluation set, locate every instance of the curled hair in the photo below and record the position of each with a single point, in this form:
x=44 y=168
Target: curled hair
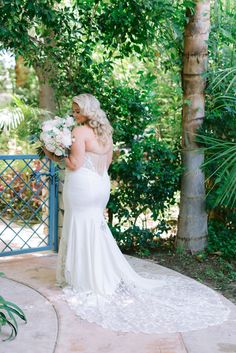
x=97 y=119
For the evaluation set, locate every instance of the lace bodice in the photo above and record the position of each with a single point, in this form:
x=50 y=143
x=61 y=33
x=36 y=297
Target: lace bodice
x=96 y=162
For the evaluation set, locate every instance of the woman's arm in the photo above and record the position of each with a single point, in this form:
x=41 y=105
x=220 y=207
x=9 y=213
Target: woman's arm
x=76 y=157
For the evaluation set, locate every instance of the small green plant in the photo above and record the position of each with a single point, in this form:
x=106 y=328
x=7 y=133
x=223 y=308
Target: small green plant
x=180 y=250
x=143 y=252
x=222 y=239
x=8 y=311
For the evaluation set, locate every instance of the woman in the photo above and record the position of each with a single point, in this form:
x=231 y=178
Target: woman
x=98 y=282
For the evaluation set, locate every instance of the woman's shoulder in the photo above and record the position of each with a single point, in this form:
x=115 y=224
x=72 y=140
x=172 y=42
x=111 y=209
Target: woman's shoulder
x=81 y=130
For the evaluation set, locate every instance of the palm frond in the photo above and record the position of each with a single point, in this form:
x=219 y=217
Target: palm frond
x=222 y=153
x=222 y=75
x=10 y=118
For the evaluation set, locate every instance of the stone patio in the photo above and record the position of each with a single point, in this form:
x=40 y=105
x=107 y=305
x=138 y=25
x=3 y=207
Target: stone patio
x=53 y=328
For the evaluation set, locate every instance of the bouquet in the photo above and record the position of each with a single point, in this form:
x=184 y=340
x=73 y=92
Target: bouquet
x=56 y=135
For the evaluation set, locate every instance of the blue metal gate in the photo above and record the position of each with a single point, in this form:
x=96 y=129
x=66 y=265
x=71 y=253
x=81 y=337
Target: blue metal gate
x=28 y=204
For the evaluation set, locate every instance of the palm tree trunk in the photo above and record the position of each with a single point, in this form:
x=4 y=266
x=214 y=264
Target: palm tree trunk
x=192 y=223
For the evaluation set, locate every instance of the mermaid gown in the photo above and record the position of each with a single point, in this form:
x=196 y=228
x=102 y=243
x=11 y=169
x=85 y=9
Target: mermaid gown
x=98 y=282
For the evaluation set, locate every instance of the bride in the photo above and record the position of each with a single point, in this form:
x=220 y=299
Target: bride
x=98 y=282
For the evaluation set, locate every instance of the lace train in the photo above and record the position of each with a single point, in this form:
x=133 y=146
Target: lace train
x=102 y=287
x=178 y=304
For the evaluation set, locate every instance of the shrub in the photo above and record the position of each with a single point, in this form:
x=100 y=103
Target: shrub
x=222 y=239
x=146 y=177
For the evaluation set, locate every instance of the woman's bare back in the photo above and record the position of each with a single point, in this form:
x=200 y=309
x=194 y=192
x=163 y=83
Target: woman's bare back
x=100 y=156
x=85 y=144
x=92 y=144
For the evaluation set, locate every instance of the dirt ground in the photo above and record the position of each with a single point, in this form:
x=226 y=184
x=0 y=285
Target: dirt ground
x=212 y=270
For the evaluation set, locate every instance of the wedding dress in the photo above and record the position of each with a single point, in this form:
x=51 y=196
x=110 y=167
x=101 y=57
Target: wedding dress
x=98 y=282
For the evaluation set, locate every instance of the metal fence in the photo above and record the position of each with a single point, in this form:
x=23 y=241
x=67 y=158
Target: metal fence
x=28 y=204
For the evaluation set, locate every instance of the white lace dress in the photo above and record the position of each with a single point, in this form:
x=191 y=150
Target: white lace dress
x=98 y=282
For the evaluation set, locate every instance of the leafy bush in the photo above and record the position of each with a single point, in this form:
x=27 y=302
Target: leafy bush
x=222 y=239
x=146 y=177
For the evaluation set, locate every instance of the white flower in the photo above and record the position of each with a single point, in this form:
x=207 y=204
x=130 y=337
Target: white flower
x=69 y=121
x=42 y=136
x=46 y=138
x=50 y=147
x=56 y=131
x=66 y=140
x=56 y=135
x=57 y=117
x=48 y=125
x=59 y=152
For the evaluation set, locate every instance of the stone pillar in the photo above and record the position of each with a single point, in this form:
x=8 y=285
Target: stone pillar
x=60 y=202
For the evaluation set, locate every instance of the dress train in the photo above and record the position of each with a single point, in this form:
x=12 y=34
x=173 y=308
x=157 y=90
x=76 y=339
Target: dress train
x=100 y=285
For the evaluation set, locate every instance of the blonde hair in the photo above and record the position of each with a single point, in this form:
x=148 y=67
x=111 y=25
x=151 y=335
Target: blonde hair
x=97 y=119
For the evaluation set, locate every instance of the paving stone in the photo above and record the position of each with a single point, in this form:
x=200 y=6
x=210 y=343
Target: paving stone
x=39 y=334
x=77 y=335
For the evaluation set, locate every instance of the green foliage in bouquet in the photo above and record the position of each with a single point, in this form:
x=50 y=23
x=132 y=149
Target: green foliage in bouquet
x=40 y=152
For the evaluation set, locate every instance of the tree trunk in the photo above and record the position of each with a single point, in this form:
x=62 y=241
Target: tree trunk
x=47 y=101
x=192 y=223
x=47 y=105
x=45 y=73
x=21 y=72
